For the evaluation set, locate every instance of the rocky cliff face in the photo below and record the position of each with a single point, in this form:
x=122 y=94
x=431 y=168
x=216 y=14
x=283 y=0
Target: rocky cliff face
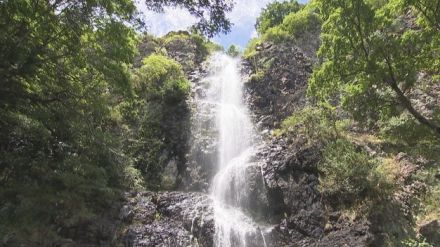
x=189 y=50
x=296 y=207
x=277 y=83
x=282 y=179
x=301 y=217
x=284 y=194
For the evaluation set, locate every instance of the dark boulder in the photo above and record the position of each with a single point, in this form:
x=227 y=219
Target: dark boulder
x=169 y=219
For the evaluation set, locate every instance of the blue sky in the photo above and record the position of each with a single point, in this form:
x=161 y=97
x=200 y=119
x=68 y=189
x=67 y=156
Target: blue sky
x=243 y=17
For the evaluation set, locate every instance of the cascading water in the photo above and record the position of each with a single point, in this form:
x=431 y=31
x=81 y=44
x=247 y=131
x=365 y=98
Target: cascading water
x=234 y=227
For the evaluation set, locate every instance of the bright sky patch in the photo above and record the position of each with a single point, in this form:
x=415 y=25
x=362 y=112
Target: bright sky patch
x=243 y=17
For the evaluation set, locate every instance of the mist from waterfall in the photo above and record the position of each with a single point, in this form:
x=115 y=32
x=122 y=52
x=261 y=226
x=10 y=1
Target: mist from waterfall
x=234 y=227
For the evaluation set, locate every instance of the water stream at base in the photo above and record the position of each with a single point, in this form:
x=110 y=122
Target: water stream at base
x=234 y=228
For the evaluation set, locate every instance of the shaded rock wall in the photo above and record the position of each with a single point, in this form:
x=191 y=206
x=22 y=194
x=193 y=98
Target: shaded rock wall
x=189 y=51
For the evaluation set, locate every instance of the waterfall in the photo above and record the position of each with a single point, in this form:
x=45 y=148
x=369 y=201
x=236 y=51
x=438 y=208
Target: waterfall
x=236 y=139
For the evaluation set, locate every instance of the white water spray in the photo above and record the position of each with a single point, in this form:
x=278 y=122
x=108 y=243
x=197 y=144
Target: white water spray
x=234 y=228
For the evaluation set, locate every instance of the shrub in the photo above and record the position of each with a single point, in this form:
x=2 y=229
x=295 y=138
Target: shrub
x=294 y=25
x=162 y=78
x=258 y=76
x=348 y=170
x=302 y=21
x=405 y=129
x=316 y=123
x=416 y=243
x=213 y=47
x=172 y=36
x=274 y=14
x=276 y=34
x=251 y=48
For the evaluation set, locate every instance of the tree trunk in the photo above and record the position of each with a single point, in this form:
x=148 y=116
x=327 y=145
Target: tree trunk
x=407 y=104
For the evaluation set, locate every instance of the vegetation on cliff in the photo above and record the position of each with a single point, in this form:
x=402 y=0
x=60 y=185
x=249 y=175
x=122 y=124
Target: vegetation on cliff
x=371 y=101
x=285 y=22
x=79 y=124
x=274 y=14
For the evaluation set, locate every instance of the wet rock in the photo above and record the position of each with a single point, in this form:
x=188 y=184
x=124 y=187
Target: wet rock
x=203 y=152
x=308 y=222
x=170 y=219
x=281 y=180
x=256 y=202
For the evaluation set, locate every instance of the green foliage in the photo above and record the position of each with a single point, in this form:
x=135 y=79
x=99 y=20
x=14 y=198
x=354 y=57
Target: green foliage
x=370 y=57
x=77 y=126
x=348 y=170
x=316 y=123
x=404 y=134
x=276 y=34
x=213 y=47
x=429 y=209
x=58 y=149
x=274 y=14
x=292 y=22
x=428 y=9
x=175 y=36
x=250 y=50
x=261 y=70
x=233 y=51
x=205 y=46
x=373 y=54
x=256 y=77
x=157 y=116
x=294 y=25
x=405 y=129
x=162 y=79
x=416 y=243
